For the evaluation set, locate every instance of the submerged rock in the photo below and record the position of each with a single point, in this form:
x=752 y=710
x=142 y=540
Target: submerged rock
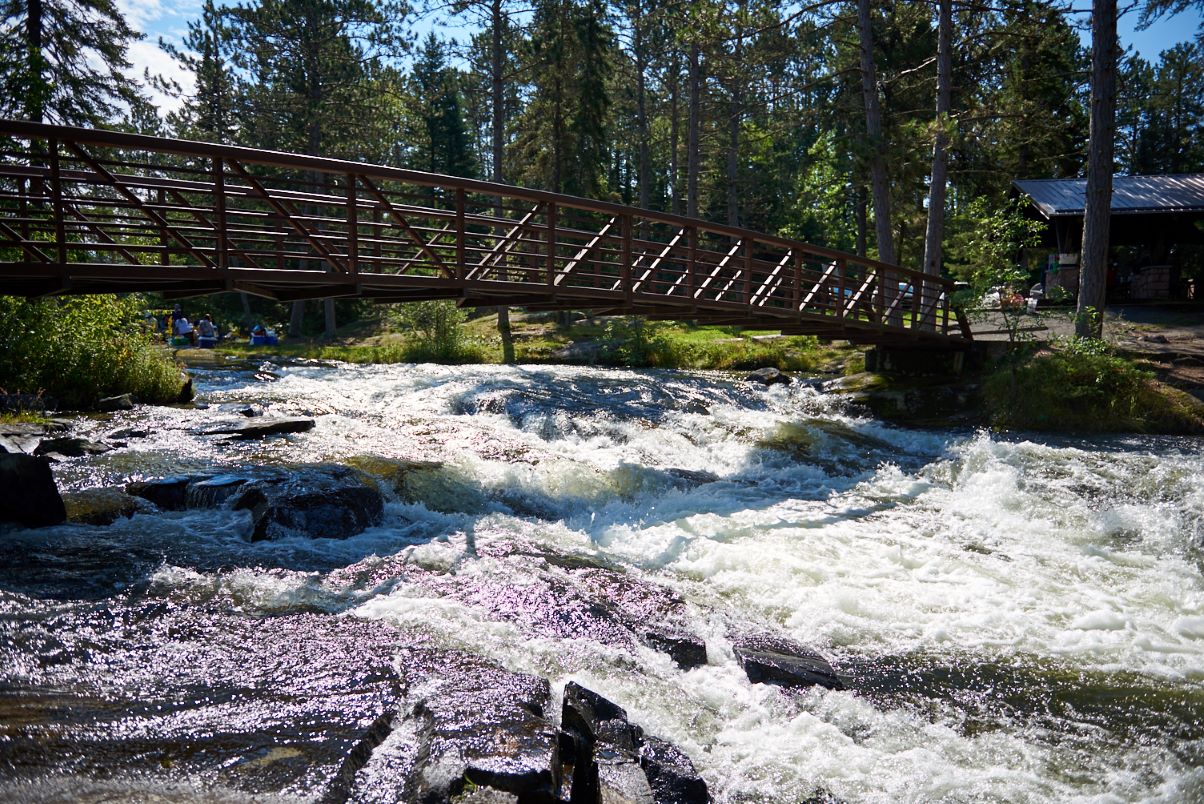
x=466 y=723
x=266 y=427
x=71 y=447
x=278 y=708
x=316 y=501
x=769 y=376
x=770 y=659
x=28 y=494
x=167 y=493
x=331 y=503
x=114 y=403
x=102 y=506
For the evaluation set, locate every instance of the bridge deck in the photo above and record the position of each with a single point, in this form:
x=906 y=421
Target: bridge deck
x=92 y=211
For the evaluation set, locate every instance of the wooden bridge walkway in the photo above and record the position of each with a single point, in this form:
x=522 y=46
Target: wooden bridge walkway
x=93 y=211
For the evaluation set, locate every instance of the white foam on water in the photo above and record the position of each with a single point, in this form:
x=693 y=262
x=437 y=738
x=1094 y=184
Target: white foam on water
x=869 y=543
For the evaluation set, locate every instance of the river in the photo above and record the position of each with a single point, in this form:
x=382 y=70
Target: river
x=1018 y=618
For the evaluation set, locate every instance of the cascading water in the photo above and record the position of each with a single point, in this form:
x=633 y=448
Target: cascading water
x=1017 y=619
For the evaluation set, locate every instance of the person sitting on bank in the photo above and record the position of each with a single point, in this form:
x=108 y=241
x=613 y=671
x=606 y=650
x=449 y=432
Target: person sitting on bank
x=182 y=328
x=205 y=328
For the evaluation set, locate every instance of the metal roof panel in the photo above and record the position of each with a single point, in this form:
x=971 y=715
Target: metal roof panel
x=1130 y=194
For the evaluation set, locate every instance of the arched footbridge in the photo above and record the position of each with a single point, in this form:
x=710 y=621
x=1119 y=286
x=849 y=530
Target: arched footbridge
x=95 y=211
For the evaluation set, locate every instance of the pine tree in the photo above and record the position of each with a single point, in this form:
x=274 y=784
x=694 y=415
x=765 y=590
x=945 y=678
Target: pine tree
x=64 y=61
x=209 y=112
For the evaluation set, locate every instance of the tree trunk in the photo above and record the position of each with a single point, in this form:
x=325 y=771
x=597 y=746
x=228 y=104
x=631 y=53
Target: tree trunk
x=497 y=93
x=328 y=318
x=1093 y=267
x=862 y=203
x=736 y=112
x=35 y=99
x=695 y=113
x=879 y=181
x=674 y=137
x=936 y=191
x=643 y=154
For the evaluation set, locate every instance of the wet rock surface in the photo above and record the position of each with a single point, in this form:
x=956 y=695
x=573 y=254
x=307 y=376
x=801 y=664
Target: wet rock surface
x=606 y=758
x=768 y=376
x=114 y=403
x=466 y=723
x=773 y=659
x=551 y=594
x=70 y=447
x=325 y=501
x=261 y=428
x=102 y=506
x=25 y=436
x=257 y=705
x=28 y=493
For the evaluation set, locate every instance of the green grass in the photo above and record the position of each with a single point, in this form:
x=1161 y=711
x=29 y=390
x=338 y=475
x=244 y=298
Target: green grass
x=1082 y=386
x=623 y=341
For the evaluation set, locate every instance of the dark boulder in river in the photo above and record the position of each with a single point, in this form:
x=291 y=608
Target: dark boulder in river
x=605 y=757
x=769 y=659
x=265 y=427
x=71 y=447
x=101 y=506
x=331 y=502
x=768 y=376
x=28 y=494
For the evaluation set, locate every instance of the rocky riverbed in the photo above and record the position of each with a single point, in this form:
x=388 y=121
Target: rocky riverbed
x=339 y=583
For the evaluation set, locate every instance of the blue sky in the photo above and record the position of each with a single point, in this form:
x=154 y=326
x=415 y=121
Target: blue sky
x=168 y=19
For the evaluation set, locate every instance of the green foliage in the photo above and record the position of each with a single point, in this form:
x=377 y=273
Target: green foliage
x=987 y=243
x=67 y=63
x=436 y=332
x=1082 y=385
x=80 y=349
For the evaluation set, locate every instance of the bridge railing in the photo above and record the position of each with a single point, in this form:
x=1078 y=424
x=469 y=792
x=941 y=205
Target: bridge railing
x=85 y=211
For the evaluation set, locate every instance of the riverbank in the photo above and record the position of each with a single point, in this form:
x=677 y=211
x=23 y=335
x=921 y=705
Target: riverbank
x=1149 y=379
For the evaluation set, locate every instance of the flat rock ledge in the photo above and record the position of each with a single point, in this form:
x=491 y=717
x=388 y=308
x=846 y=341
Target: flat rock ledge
x=261 y=428
x=324 y=501
x=773 y=659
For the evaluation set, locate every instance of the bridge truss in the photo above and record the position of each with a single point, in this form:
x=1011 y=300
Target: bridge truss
x=94 y=211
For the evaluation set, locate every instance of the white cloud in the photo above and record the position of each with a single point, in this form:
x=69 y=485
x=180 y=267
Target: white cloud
x=147 y=56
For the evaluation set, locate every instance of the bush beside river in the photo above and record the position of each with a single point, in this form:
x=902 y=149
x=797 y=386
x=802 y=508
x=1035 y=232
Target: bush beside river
x=78 y=350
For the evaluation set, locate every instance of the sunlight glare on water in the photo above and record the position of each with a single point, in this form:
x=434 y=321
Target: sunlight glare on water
x=982 y=593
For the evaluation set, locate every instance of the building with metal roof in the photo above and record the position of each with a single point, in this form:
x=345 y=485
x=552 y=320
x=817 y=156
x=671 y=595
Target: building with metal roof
x=1156 y=234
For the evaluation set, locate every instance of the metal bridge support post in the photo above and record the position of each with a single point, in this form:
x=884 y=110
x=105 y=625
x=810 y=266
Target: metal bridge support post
x=219 y=200
x=748 y=264
x=165 y=254
x=56 y=201
x=691 y=263
x=353 y=228
x=842 y=270
x=917 y=293
x=551 y=255
x=23 y=207
x=796 y=297
x=625 y=267
x=460 y=235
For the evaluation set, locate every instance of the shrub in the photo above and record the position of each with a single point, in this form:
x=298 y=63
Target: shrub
x=1082 y=385
x=435 y=331
x=78 y=350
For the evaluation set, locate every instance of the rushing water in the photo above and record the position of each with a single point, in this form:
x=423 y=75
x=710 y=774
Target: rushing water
x=1020 y=619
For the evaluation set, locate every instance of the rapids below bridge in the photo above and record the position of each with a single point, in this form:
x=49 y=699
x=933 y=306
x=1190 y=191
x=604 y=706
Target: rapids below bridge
x=1013 y=618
